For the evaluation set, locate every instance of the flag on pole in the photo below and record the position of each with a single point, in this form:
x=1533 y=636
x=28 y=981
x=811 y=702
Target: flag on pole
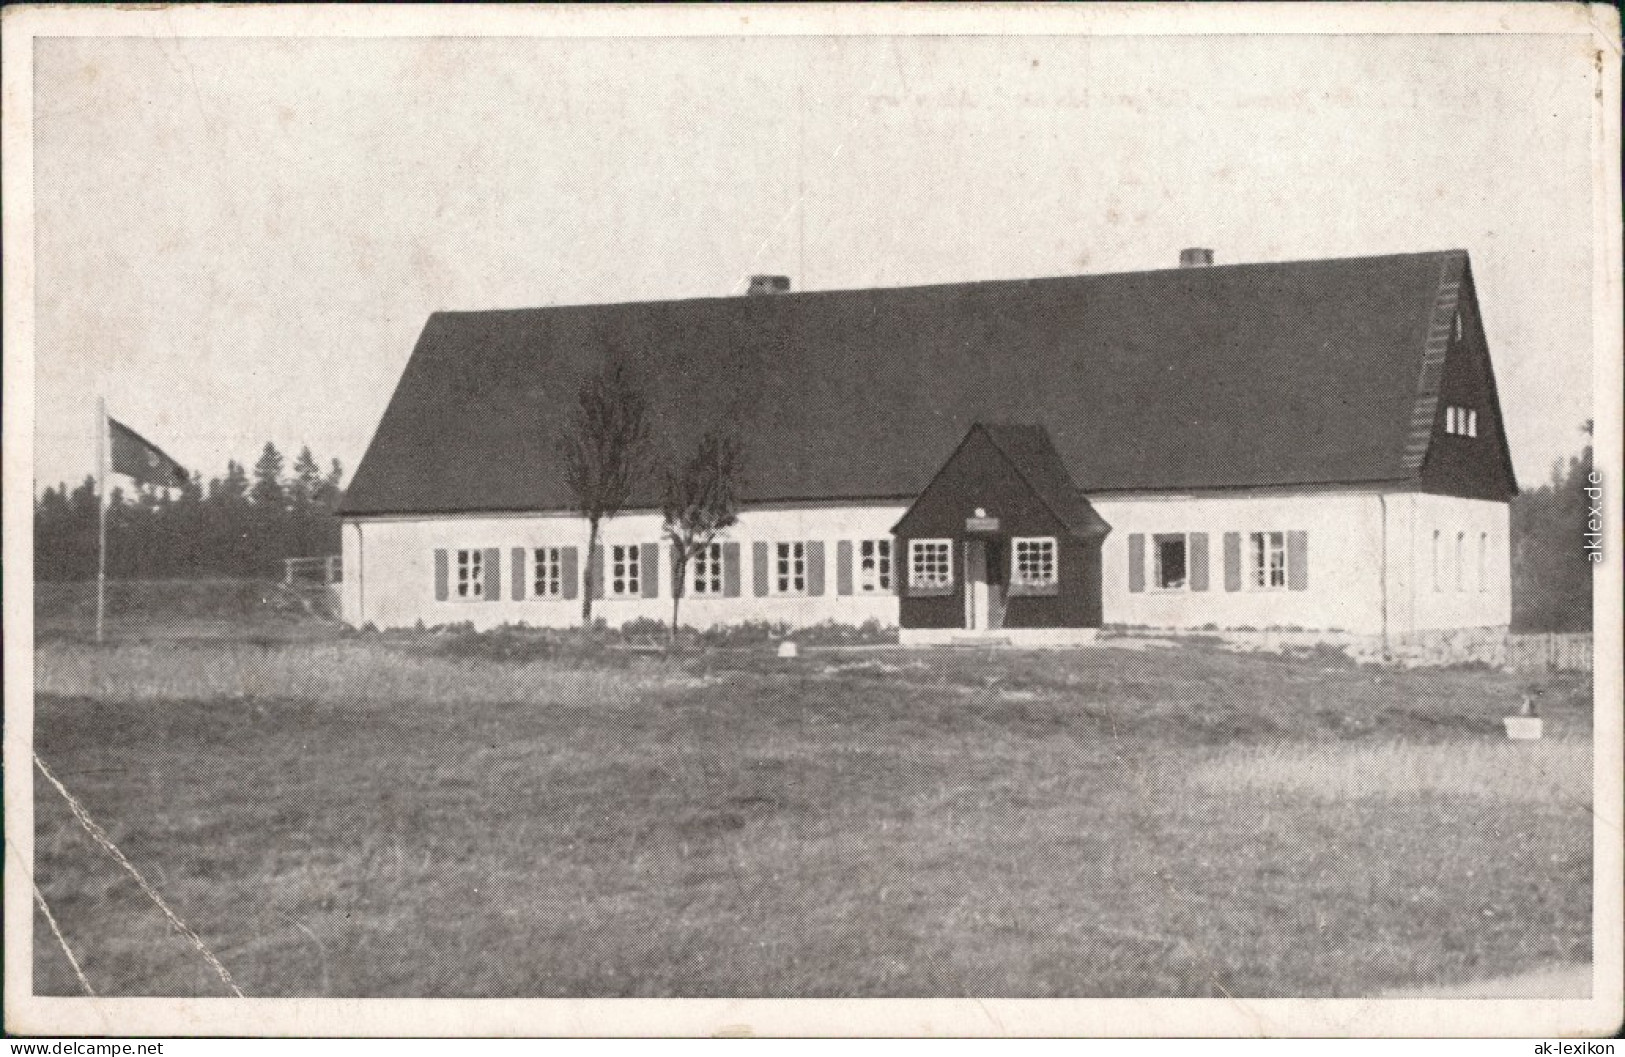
x=135 y=456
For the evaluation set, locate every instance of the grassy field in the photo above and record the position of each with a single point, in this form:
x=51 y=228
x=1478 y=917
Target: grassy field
x=446 y=815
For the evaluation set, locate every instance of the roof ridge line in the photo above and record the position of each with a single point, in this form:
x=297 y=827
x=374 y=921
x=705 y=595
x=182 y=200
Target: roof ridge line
x=951 y=284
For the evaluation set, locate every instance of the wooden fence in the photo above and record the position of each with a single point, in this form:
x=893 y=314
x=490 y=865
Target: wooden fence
x=1551 y=652
x=326 y=569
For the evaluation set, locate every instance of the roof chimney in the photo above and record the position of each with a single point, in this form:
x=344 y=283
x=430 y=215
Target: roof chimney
x=1195 y=258
x=769 y=284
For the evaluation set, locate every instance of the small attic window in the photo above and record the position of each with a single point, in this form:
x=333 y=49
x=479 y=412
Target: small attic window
x=1462 y=421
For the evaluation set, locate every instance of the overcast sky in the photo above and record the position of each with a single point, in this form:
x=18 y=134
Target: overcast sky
x=239 y=240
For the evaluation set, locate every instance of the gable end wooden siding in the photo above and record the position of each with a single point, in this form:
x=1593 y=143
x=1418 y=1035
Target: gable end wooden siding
x=1439 y=338
x=1478 y=467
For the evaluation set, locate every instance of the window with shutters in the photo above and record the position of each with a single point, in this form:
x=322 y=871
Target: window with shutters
x=1268 y=560
x=1032 y=561
x=547 y=573
x=874 y=566
x=930 y=563
x=470 y=575
x=1170 y=557
x=708 y=570
x=790 y=568
x=625 y=571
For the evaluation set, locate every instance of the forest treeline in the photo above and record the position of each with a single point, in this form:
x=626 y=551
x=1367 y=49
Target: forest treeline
x=243 y=525
x=236 y=525
x=1551 y=573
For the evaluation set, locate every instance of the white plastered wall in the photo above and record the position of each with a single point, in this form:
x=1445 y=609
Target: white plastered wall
x=1344 y=590
x=389 y=569
x=1464 y=595
x=389 y=565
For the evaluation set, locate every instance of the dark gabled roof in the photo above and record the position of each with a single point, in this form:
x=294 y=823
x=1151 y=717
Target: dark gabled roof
x=1030 y=451
x=1230 y=376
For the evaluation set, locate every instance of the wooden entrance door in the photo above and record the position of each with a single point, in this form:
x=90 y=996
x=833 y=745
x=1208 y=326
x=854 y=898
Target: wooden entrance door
x=976 y=592
x=996 y=564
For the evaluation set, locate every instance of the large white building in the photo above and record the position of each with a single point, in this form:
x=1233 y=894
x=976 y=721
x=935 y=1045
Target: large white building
x=1309 y=445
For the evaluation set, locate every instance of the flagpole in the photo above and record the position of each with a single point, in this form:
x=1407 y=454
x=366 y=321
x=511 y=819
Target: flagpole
x=101 y=514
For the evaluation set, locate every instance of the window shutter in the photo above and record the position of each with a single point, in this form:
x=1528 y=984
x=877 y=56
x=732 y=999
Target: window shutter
x=730 y=570
x=598 y=569
x=1136 y=561
x=442 y=576
x=758 y=560
x=815 y=567
x=519 y=574
x=493 y=574
x=567 y=570
x=1297 y=561
x=843 y=567
x=1232 y=561
x=1196 y=548
x=649 y=570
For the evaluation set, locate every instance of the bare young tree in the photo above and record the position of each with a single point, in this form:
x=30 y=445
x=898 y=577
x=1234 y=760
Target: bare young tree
x=606 y=456
x=701 y=500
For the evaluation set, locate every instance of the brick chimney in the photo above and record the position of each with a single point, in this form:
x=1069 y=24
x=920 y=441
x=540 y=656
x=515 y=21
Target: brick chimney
x=769 y=284
x=1195 y=257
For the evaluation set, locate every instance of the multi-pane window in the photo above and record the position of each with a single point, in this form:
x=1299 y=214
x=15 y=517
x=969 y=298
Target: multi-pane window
x=1171 y=560
x=470 y=574
x=790 y=568
x=930 y=563
x=874 y=565
x=708 y=570
x=1483 y=561
x=547 y=572
x=1268 y=551
x=1033 y=561
x=625 y=572
x=1462 y=421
